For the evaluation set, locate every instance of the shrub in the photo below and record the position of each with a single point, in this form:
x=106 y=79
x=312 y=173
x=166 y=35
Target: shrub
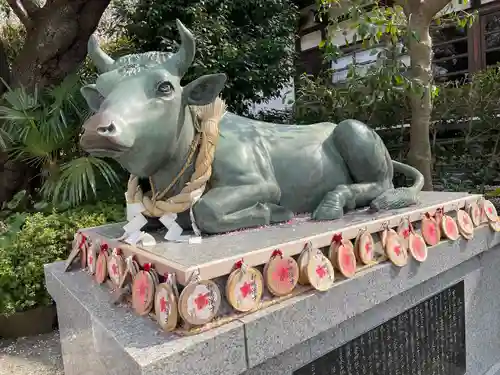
x=249 y=40
x=42 y=238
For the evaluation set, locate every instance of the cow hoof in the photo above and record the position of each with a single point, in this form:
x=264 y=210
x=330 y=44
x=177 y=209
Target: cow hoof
x=327 y=213
x=280 y=214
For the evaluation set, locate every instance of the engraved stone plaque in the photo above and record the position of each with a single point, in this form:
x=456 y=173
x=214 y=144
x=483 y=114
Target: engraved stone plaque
x=428 y=339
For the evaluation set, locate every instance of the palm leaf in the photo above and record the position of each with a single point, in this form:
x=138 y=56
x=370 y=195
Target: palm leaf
x=78 y=180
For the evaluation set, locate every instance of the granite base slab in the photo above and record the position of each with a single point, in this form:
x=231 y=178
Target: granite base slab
x=98 y=338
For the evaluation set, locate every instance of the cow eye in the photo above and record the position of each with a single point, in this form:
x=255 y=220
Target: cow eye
x=165 y=88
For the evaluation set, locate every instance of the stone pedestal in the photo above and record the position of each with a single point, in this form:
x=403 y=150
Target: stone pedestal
x=99 y=339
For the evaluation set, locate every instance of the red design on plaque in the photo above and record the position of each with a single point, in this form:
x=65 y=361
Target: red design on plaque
x=281 y=274
x=321 y=271
x=114 y=268
x=163 y=304
x=142 y=287
x=82 y=242
x=490 y=210
x=417 y=246
x=368 y=247
x=432 y=231
x=397 y=250
x=347 y=262
x=245 y=289
x=201 y=301
x=91 y=259
x=450 y=228
x=406 y=233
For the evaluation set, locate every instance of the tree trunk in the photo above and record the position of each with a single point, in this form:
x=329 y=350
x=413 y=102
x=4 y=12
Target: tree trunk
x=55 y=45
x=56 y=41
x=420 y=47
x=4 y=68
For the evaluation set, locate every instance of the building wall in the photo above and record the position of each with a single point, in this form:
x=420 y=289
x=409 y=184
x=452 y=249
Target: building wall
x=457 y=53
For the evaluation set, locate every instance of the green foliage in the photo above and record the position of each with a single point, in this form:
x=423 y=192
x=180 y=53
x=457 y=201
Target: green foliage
x=116 y=47
x=12 y=36
x=465 y=127
x=252 y=41
x=29 y=241
x=42 y=129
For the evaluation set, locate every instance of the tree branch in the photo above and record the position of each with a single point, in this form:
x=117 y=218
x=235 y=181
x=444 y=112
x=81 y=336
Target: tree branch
x=20 y=11
x=432 y=7
x=24 y=9
x=31 y=6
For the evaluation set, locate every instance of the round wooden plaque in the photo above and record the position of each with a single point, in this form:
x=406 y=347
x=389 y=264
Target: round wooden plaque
x=417 y=247
x=281 y=274
x=143 y=291
x=320 y=272
x=364 y=247
x=404 y=231
x=83 y=251
x=155 y=276
x=475 y=214
x=303 y=262
x=385 y=234
x=101 y=272
x=449 y=228
x=495 y=225
x=430 y=231
x=166 y=309
x=395 y=250
x=199 y=302
x=464 y=223
x=343 y=258
x=92 y=257
x=244 y=289
x=490 y=211
x=116 y=268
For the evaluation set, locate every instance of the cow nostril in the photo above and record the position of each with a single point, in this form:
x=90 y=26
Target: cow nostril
x=106 y=130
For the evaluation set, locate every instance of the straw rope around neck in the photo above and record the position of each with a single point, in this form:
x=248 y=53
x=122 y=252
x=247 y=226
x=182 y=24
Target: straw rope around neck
x=207 y=136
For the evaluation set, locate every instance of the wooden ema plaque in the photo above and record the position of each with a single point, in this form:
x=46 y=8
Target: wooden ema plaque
x=199 y=302
x=449 y=227
x=430 y=230
x=281 y=274
x=364 y=247
x=464 y=223
x=490 y=211
x=320 y=271
x=394 y=248
x=92 y=253
x=342 y=256
x=303 y=262
x=404 y=230
x=427 y=339
x=417 y=247
x=101 y=271
x=244 y=288
x=116 y=267
x=143 y=291
x=475 y=213
x=166 y=308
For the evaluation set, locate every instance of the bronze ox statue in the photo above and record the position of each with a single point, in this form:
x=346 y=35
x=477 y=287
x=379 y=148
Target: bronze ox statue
x=262 y=173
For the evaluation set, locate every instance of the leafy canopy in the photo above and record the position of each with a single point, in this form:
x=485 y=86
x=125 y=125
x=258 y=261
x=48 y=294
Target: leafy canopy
x=252 y=41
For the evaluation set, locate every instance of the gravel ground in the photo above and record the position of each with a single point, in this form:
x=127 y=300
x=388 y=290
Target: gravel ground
x=39 y=355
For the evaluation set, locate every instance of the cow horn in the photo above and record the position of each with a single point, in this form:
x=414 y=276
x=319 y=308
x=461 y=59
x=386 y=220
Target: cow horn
x=185 y=55
x=100 y=59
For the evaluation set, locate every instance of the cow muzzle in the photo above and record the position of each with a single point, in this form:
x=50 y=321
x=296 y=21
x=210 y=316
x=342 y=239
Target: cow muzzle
x=101 y=135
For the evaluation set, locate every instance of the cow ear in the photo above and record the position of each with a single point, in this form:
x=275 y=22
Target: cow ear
x=204 y=90
x=92 y=96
